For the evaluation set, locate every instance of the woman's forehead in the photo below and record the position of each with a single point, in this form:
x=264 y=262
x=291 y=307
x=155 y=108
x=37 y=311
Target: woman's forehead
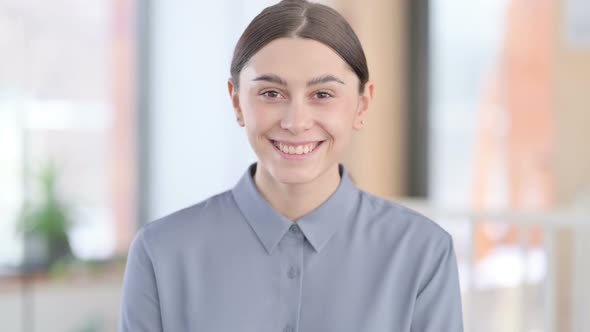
x=296 y=58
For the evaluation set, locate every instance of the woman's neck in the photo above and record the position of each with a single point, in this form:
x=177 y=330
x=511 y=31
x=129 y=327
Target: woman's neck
x=294 y=201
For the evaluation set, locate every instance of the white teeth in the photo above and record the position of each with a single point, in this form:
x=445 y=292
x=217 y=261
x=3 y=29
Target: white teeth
x=299 y=149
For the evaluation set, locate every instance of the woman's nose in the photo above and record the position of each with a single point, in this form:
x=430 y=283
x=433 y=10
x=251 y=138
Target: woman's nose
x=297 y=117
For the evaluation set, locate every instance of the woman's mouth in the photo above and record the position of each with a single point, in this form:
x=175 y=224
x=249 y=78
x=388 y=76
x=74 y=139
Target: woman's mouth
x=296 y=150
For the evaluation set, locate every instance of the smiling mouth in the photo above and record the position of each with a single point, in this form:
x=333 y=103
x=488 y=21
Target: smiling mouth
x=296 y=149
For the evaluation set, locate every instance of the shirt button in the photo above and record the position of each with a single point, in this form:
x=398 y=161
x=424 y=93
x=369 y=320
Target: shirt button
x=292 y=273
x=294 y=229
x=288 y=328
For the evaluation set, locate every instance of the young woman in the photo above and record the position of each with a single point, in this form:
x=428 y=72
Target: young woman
x=295 y=245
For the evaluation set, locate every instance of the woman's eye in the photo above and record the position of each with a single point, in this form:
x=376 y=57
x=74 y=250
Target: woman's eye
x=271 y=94
x=323 y=95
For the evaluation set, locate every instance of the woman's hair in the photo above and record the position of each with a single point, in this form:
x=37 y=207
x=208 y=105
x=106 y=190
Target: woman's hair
x=300 y=18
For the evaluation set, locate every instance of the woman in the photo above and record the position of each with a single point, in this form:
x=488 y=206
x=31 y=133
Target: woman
x=295 y=245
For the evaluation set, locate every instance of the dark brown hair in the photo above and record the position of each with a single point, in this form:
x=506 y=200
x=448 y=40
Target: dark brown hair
x=300 y=18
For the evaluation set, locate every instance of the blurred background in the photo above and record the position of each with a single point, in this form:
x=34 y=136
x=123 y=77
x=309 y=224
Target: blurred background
x=115 y=112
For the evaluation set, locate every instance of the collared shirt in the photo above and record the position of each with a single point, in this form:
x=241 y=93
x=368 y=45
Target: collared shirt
x=357 y=263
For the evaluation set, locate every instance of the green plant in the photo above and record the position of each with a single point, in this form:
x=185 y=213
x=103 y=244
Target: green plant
x=94 y=324
x=46 y=220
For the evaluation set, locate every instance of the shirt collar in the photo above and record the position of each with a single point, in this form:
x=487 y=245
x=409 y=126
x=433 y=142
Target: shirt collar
x=318 y=226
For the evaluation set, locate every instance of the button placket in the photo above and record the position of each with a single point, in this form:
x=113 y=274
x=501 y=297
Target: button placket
x=292 y=256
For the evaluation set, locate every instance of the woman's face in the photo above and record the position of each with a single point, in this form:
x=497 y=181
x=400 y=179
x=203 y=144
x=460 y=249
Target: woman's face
x=299 y=102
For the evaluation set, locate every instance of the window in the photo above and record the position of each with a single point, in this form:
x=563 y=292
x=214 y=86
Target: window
x=67 y=96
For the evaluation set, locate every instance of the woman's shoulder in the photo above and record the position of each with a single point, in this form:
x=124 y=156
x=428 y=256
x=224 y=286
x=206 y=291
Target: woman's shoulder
x=189 y=221
x=398 y=217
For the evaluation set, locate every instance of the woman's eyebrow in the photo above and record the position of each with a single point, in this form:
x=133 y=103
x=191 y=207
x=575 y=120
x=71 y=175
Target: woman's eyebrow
x=271 y=78
x=324 y=79
x=318 y=80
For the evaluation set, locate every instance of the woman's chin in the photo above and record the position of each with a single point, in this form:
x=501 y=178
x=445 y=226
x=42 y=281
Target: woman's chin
x=292 y=175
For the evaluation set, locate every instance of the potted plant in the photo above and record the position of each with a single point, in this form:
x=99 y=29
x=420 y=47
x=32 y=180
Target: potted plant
x=45 y=221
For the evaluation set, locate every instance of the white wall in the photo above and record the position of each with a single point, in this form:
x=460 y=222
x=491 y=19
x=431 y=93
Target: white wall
x=196 y=147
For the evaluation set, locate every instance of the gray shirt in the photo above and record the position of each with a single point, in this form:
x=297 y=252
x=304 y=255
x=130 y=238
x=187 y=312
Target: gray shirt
x=357 y=263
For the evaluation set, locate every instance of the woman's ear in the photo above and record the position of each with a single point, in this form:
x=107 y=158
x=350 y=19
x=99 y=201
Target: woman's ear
x=364 y=104
x=235 y=101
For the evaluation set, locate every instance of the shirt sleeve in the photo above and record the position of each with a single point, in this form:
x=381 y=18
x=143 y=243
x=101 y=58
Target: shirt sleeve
x=438 y=304
x=140 y=307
